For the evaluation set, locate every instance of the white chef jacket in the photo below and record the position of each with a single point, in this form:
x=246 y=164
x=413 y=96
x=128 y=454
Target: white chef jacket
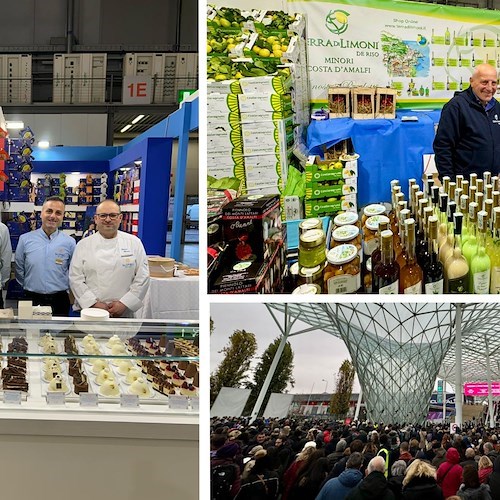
x=105 y=270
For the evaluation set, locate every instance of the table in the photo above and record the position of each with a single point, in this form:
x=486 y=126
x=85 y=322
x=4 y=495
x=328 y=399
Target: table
x=171 y=298
x=388 y=149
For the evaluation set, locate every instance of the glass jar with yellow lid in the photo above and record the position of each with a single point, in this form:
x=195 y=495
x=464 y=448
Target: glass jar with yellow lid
x=343 y=270
x=346 y=218
x=345 y=235
x=371 y=210
x=312 y=248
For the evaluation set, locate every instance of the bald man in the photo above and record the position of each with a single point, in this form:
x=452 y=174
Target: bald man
x=468 y=136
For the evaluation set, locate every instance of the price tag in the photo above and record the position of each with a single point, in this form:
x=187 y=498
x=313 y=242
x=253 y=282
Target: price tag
x=178 y=402
x=195 y=404
x=129 y=400
x=56 y=398
x=88 y=399
x=12 y=397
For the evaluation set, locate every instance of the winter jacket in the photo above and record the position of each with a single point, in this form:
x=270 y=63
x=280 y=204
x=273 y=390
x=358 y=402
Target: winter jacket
x=449 y=474
x=468 y=137
x=481 y=493
x=339 y=487
x=373 y=487
x=406 y=457
x=259 y=487
x=484 y=474
x=494 y=480
x=422 y=487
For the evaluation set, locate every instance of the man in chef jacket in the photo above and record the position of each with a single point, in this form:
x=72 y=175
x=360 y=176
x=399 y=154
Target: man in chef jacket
x=109 y=269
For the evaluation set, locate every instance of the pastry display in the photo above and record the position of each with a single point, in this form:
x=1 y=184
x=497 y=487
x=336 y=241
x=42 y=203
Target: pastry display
x=46 y=338
x=50 y=348
x=104 y=374
x=14 y=375
x=80 y=383
x=75 y=366
x=188 y=390
x=133 y=375
x=109 y=388
x=98 y=365
x=70 y=345
x=191 y=370
x=57 y=384
x=140 y=387
x=178 y=379
x=114 y=340
x=124 y=366
x=118 y=350
x=51 y=371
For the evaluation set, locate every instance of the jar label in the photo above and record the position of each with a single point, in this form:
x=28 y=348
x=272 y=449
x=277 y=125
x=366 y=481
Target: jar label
x=481 y=282
x=414 y=289
x=495 y=280
x=347 y=283
x=458 y=285
x=370 y=246
x=391 y=289
x=434 y=288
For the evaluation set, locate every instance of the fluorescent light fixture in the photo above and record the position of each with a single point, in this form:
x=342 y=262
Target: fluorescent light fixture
x=137 y=119
x=124 y=129
x=43 y=144
x=75 y=173
x=15 y=125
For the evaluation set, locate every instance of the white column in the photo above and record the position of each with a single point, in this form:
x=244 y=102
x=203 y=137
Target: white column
x=458 y=367
x=358 y=404
x=490 y=394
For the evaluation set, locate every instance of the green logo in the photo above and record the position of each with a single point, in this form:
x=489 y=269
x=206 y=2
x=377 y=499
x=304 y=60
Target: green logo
x=336 y=21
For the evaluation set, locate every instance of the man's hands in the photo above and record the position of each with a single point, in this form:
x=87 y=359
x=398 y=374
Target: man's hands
x=116 y=308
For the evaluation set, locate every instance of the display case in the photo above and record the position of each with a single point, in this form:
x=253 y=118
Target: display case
x=68 y=390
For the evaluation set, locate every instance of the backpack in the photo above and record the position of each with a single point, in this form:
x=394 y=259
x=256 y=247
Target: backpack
x=222 y=479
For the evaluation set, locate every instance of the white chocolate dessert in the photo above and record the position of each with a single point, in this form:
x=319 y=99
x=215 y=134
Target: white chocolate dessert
x=46 y=338
x=57 y=384
x=118 y=350
x=51 y=371
x=50 y=347
x=114 y=340
x=104 y=374
x=109 y=388
x=140 y=387
x=50 y=362
x=88 y=339
x=124 y=366
x=98 y=365
x=133 y=375
x=92 y=348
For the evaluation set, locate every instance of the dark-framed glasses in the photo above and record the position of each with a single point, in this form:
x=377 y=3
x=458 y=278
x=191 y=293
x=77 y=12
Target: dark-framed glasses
x=105 y=216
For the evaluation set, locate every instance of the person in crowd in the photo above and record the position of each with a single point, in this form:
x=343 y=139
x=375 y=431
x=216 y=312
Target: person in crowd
x=109 y=269
x=291 y=474
x=468 y=135
x=369 y=451
x=404 y=453
x=439 y=458
x=385 y=453
x=89 y=231
x=43 y=259
x=310 y=478
x=374 y=486
x=472 y=489
x=338 y=487
x=490 y=451
x=470 y=454
x=398 y=471
x=225 y=477
x=449 y=474
x=485 y=468
x=494 y=480
x=355 y=446
x=420 y=482
x=5 y=258
x=262 y=483
x=337 y=455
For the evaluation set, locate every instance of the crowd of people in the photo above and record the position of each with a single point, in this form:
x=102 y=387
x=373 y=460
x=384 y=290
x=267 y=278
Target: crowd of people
x=306 y=459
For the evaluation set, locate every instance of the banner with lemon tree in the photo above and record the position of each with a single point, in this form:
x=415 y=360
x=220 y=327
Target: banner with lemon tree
x=426 y=52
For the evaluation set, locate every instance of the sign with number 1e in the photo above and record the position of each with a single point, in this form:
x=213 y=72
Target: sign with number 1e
x=137 y=90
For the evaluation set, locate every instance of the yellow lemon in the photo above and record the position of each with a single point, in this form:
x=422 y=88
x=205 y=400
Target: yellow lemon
x=209 y=48
x=276 y=46
x=277 y=53
x=284 y=48
x=225 y=23
x=230 y=46
x=217 y=21
x=238 y=75
x=264 y=53
x=256 y=49
x=220 y=77
x=230 y=40
x=271 y=39
x=340 y=17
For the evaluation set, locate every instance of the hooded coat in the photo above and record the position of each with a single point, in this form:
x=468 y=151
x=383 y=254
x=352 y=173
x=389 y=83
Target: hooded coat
x=494 y=480
x=481 y=493
x=449 y=474
x=422 y=487
x=339 y=487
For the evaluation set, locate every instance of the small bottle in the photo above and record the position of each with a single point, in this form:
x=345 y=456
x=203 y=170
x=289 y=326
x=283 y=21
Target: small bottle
x=473 y=62
x=469 y=248
x=484 y=40
x=472 y=39
x=447 y=37
x=460 y=65
x=432 y=59
x=434 y=272
x=377 y=253
x=459 y=179
x=456 y=267
x=411 y=276
x=386 y=275
x=481 y=263
x=401 y=253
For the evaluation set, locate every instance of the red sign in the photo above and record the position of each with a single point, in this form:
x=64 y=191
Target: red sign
x=481 y=389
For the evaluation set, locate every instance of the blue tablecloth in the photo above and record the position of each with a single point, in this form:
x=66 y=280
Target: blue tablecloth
x=388 y=149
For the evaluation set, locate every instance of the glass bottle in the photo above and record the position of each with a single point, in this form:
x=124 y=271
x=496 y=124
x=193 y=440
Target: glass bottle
x=402 y=205
x=488 y=191
x=447 y=37
x=416 y=195
x=446 y=184
x=435 y=200
x=447 y=247
x=443 y=219
x=422 y=251
x=377 y=253
x=459 y=179
x=469 y=248
x=473 y=178
x=480 y=186
x=456 y=269
x=386 y=273
x=481 y=263
x=411 y=276
x=402 y=255
x=494 y=253
x=496 y=198
x=465 y=187
x=464 y=208
x=487 y=177
x=420 y=231
x=458 y=192
x=434 y=271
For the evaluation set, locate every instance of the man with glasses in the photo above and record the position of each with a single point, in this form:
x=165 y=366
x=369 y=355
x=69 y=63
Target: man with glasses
x=42 y=260
x=109 y=269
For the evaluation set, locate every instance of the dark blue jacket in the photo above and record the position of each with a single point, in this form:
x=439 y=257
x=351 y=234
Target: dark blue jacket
x=338 y=488
x=468 y=137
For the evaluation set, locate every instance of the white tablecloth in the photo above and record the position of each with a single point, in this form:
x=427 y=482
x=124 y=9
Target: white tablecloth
x=171 y=298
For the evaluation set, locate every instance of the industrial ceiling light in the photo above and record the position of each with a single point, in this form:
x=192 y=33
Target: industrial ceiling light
x=124 y=129
x=43 y=144
x=137 y=118
x=15 y=125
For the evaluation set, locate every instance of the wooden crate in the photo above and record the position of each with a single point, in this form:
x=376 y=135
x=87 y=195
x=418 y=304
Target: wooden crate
x=385 y=106
x=363 y=103
x=339 y=102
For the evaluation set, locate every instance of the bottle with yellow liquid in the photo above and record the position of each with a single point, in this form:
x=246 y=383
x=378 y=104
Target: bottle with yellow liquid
x=481 y=264
x=494 y=253
x=456 y=269
x=469 y=248
x=464 y=208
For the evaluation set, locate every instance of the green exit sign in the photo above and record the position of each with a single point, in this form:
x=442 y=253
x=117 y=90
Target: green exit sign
x=182 y=94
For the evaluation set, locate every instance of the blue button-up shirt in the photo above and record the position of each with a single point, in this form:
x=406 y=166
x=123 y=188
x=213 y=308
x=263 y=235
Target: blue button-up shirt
x=42 y=262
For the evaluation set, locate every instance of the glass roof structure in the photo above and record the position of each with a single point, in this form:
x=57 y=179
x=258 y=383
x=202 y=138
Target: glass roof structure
x=399 y=349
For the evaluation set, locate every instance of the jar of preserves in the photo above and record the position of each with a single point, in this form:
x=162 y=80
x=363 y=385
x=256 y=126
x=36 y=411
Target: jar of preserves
x=343 y=270
x=311 y=275
x=370 y=237
x=347 y=218
x=307 y=289
x=312 y=223
x=371 y=210
x=312 y=248
x=347 y=235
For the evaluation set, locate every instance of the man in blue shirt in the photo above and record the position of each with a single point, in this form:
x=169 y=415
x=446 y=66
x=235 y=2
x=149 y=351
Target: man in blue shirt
x=42 y=260
x=468 y=136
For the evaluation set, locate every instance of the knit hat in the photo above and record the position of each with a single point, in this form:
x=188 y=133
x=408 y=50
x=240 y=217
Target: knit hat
x=229 y=450
x=309 y=444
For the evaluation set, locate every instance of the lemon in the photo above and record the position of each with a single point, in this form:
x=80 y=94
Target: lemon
x=256 y=49
x=264 y=53
x=225 y=23
x=277 y=53
x=340 y=17
x=230 y=40
x=209 y=48
x=338 y=165
x=271 y=39
x=220 y=78
x=213 y=42
x=238 y=75
x=217 y=21
x=230 y=46
x=276 y=46
x=284 y=48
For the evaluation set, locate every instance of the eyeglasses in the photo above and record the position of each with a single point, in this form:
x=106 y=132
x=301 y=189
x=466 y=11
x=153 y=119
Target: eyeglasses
x=105 y=216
